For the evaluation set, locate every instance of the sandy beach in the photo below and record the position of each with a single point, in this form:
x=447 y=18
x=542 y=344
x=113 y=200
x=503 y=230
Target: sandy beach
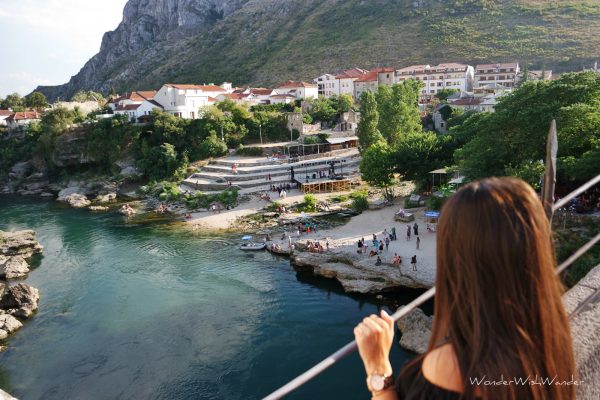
x=343 y=239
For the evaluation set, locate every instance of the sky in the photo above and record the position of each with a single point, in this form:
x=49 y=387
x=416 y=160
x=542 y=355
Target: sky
x=45 y=42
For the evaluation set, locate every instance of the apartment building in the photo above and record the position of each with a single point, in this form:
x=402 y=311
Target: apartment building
x=505 y=74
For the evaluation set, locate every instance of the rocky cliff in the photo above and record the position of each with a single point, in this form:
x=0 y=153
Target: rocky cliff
x=268 y=41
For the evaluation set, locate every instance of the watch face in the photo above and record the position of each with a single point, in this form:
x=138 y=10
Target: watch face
x=377 y=382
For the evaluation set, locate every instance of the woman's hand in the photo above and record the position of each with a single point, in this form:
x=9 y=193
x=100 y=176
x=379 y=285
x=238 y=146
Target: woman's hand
x=374 y=336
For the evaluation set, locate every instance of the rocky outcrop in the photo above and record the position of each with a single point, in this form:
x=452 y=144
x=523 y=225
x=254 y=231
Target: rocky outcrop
x=356 y=273
x=13 y=267
x=8 y=325
x=20 y=300
x=20 y=243
x=416 y=331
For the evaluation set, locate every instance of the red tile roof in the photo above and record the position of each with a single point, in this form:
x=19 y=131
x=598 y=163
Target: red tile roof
x=499 y=65
x=128 y=107
x=205 y=88
x=352 y=73
x=21 y=115
x=370 y=77
x=469 y=101
x=382 y=69
x=142 y=95
x=292 y=84
x=234 y=96
x=261 y=91
x=5 y=113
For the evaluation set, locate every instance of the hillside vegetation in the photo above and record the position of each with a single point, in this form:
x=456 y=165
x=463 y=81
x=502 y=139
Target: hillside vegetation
x=268 y=41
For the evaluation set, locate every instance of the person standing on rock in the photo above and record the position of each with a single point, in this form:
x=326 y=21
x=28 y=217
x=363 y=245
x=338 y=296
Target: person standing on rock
x=407 y=233
x=413 y=262
x=498 y=310
x=418 y=242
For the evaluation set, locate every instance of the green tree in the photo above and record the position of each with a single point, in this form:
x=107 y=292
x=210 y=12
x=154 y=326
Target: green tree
x=322 y=110
x=444 y=93
x=36 y=100
x=417 y=154
x=344 y=103
x=12 y=101
x=399 y=110
x=377 y=167
x=514 y=137
x=367 y=130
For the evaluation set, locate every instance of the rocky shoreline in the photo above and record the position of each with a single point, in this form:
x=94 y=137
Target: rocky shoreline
x=18 y=301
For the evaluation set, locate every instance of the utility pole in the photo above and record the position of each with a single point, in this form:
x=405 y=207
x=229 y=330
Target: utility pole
x=260 y=132
x=222 y=137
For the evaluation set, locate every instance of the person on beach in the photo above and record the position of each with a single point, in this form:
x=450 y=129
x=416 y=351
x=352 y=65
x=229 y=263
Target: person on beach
x=416 y=229
x=413 y=262
x=372 y=253
x=394 y=233
x=418 y=242
x=408 y=233
x=498 y=310
x=387 y=243
x=360 y=246
x=380 y=246
x=378 y=262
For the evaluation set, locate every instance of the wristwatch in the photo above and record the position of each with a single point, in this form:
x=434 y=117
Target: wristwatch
x=377 y=382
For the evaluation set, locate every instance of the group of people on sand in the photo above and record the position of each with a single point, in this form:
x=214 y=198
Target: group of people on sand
x=316 y=247
x=381 y=244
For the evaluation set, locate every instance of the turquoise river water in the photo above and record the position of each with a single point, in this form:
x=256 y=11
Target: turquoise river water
x=151 y=311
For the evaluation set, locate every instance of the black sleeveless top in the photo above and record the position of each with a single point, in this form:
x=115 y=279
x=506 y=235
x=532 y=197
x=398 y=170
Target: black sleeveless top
x=412 y=385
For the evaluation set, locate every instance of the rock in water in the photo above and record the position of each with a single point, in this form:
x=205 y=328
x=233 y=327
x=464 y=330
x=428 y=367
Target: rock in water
x=20 y=243
x=21 y=300
x=13 y=267
x=416 y=331
x=9 y=324
x=77 y=200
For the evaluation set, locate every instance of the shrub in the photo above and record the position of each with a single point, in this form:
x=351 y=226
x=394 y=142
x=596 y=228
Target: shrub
x=310 y=202
x=435 y=203
x=360 y=202
x=249 y=151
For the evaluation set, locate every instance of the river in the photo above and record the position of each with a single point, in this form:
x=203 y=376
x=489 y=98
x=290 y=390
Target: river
x=152 y=311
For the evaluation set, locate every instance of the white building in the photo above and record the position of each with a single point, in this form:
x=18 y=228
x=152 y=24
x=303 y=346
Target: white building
x=372 y=79
x=4 y=114
x=135 y=97
x=328 y=85
x=136 y=112
x=185 y=101
x=22 y=118
x=505 y=74
x=300 y=90
x=335 y=85
x=435 y=78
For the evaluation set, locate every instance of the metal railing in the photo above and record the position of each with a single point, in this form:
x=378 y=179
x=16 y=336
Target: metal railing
x=428 y=295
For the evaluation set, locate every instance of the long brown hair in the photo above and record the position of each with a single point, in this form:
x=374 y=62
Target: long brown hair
x=498 y=299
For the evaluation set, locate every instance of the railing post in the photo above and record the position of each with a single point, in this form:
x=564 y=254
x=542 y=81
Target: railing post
x=550 y=173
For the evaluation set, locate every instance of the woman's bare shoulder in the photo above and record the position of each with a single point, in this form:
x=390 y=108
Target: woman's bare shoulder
x=440 y=367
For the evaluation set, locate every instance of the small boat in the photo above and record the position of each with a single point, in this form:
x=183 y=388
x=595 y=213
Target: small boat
x=252 y=246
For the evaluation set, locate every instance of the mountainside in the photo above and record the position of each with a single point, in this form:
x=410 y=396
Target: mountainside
x=270 y=41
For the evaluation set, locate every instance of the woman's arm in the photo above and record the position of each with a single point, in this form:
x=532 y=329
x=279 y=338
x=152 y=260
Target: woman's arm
x=374 y=337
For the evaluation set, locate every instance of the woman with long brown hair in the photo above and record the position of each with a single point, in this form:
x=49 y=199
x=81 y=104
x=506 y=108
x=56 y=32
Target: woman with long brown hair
x=500 y=330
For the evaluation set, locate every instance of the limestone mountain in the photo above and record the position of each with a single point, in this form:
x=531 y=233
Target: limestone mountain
x=269 y=41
